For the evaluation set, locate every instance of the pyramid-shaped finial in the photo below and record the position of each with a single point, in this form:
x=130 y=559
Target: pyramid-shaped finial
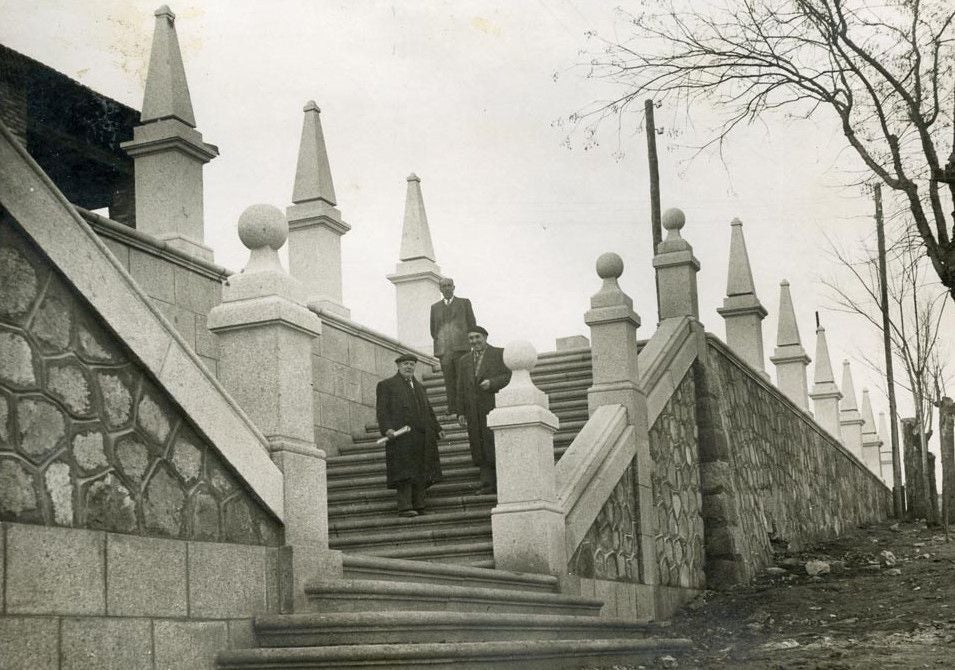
x=167 y=93
x=415 y=234
x=740 y=277
x=883 y=431
x=869 y=426
x=823 y=371
x=848 y=389
x=313 y=176
x=787 y=331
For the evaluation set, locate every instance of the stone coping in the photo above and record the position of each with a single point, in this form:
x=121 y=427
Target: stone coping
x=750 y=371
x=345 y=324
x=152 y=245
x=77 y=252
x=664 y=361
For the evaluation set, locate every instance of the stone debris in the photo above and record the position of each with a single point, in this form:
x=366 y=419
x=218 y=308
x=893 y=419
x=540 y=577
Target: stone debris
x=895 y=528
x=894 y=572
x=667 y=662
x=814 y=568
x=776 y=571
x=888 y=558
x=782 y=645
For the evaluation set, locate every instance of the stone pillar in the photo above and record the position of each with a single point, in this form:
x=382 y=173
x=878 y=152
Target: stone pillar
x=871 y=444
x=527 y=524
x=741 y=310
x=885 y=453
x=265 y=342
x=417 y=275
x=850 y=421
x=676 y=268
x=613 y=337
x=789 y=357
x=825 y=394
x=315 y=223
x=168 y=152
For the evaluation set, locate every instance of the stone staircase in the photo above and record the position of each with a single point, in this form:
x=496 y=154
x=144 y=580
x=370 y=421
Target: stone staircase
x=422 y=592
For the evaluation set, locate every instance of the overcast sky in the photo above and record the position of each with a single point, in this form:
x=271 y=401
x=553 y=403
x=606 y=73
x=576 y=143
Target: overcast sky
x=465 y=95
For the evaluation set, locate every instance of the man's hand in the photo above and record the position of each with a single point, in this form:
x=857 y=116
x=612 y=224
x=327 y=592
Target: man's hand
x=440 y=434
x=486 y=384
x=462 y=421
x=390 y=433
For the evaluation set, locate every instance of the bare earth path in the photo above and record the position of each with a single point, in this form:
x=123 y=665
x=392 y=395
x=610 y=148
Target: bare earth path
x=871 y=610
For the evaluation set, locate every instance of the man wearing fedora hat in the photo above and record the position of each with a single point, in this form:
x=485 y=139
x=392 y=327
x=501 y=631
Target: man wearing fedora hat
x=411 y=457
x=481 y=374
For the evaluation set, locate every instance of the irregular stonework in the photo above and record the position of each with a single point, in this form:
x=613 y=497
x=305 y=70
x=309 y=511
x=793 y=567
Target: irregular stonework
x=88 y=451
x=85 y=432
x=675 y=483
x=68 y=384
x=18 y=284
x=610 y=549
x=16 y=361
x=42 y=428
x=769 y=474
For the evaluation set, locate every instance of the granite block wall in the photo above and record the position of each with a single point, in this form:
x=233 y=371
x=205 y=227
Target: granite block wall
x=769 y=473
x=87 y=438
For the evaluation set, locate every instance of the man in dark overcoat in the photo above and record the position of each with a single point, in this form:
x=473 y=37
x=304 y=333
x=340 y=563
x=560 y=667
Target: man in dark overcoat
x=451 y=317
x=411 y=459
x=481 y=374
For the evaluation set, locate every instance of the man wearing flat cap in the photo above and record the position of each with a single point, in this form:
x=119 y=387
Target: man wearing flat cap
x=481 y=374
x=411 y=458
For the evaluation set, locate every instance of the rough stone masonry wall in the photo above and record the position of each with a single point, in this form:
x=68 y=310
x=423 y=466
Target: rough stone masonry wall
x=610 y=551
x=87 y=439
x=769 y=472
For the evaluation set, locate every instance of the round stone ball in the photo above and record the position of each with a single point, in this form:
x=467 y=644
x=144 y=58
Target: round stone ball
x=520 y=355
x=609 y=265
x=673 y=219
x=263 y=226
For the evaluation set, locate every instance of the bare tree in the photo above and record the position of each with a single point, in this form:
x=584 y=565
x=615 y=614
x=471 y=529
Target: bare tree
x=916 y=307
x=881 y=70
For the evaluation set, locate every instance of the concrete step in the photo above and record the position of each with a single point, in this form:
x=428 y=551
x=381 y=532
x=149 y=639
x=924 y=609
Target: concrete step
x=323 y=630
x=569 y=426
x=347 y=526
x=519 y=654
x=376 y=466
x=353 y=496
x=359 y=566
x=337 y=483
x=385 y=506
x=410 y=536
x=477 y=554
x=367 y=595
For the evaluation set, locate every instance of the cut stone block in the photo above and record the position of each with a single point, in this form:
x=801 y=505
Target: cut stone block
x=145 y=577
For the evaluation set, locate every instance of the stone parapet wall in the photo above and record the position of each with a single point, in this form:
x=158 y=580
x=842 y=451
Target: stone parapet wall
x=87 y=437
x=675 y=481
x=348 y=361
x=184 y=288
x=769 y=472
x=90 y=599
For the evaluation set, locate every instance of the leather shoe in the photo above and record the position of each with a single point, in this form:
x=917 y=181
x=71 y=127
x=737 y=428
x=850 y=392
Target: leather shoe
x=420 y=511
x=407 y=513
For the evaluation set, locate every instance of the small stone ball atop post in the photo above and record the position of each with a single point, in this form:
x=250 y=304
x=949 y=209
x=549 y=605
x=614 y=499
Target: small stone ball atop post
x=609 y=266
x=673 y=221
x=263 y=230
x=520 y=357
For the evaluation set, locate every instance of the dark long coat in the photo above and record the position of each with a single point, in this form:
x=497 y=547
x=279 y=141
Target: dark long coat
x=450 y=324
x=475 y=403
x=412 y=457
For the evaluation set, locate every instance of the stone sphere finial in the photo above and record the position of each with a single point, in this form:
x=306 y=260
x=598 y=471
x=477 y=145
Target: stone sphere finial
x=609 y=266
x=263 y=226
x=520 y=355
x=673 y=221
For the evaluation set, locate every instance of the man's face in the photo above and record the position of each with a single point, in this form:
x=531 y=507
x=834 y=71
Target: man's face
x=447 y=289
x=477 y=340
x=406 y=369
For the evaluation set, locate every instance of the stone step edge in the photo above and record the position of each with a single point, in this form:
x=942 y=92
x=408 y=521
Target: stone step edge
x=355 y=588
x=331 y=622
x=414 y=655
x=404 y=566
x=432 y=518
x=408 y=534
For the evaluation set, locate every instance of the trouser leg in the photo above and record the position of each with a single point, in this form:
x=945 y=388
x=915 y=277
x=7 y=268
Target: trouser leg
x=418 y=492
x=449 y=368
x=403 y=493
x=488 y=478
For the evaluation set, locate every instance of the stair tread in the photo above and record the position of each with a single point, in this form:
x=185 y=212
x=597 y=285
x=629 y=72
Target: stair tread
x=439 y=569
x=354 y=587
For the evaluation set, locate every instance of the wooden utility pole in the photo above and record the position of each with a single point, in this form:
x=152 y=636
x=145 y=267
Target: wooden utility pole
x=655 y=222
x=898 y=506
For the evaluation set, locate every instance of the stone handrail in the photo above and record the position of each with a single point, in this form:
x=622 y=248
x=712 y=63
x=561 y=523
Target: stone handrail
x=589 y=469
x=665 y=359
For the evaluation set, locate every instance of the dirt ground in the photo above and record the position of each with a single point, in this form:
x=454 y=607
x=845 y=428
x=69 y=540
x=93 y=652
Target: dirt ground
x=870 y=610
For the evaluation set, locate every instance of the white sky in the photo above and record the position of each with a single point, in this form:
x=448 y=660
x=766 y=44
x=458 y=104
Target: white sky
x=464 y=95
